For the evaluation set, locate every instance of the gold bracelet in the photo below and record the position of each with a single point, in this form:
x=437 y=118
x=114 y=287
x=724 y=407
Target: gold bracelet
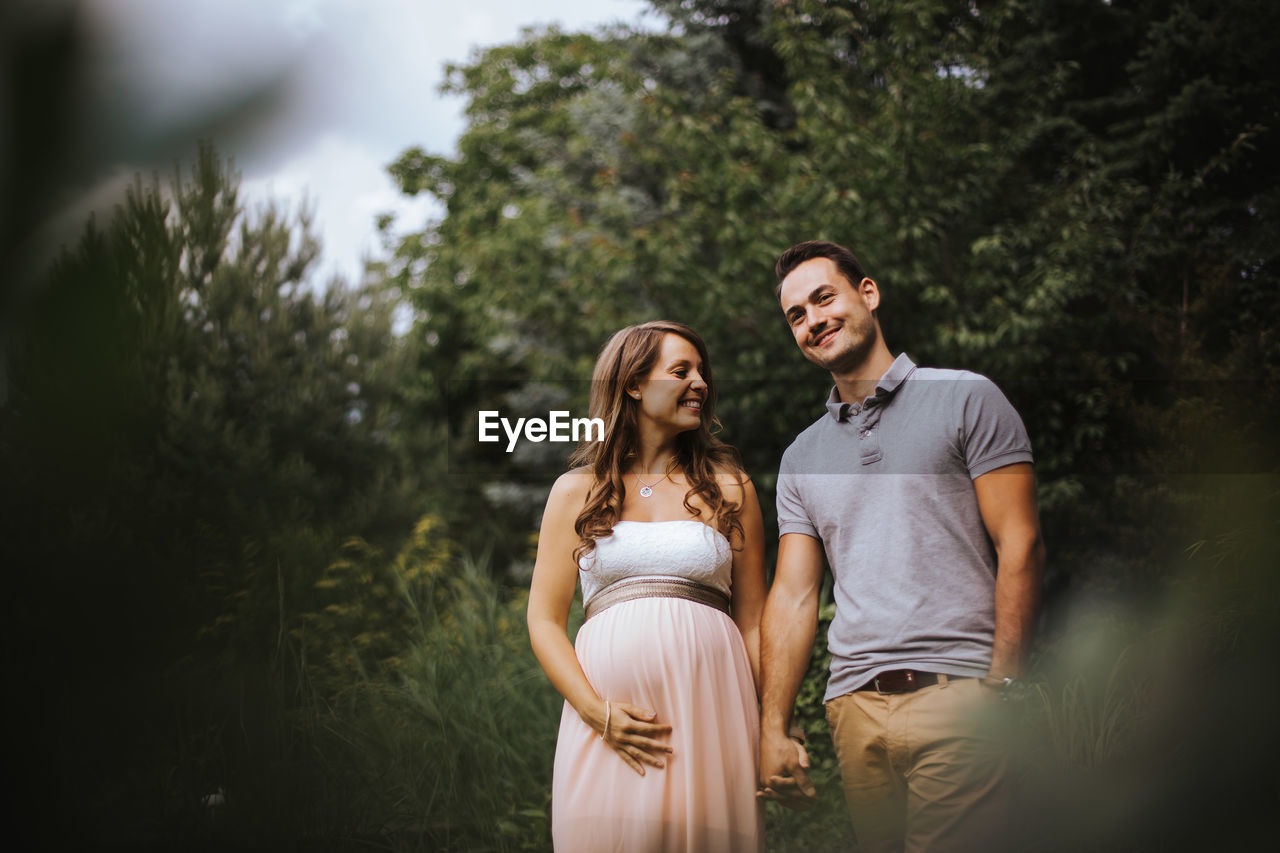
x=605 y=730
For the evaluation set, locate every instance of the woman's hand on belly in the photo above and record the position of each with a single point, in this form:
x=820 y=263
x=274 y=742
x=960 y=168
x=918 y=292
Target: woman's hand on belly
x=632 y=732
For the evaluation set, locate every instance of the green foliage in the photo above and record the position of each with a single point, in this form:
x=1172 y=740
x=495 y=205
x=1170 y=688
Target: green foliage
x=1092 y=713
x=192 y=427
x=370 y=609
x=448 y=731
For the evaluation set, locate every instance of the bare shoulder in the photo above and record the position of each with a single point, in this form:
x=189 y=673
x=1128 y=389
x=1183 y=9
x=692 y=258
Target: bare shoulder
x=734 y=482
x=570 y=490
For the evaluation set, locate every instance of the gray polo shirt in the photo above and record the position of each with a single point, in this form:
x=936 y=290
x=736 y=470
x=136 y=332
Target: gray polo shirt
x=887 y=486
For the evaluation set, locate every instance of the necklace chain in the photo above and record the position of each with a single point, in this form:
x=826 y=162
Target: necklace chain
x=646 y=489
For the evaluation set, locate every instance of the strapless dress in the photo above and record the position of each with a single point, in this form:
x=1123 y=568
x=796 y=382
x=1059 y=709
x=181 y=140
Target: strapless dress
x=687 y=662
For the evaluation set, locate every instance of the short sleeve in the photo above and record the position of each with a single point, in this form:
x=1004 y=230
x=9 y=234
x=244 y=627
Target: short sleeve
x=993 y=435
x=792 y=515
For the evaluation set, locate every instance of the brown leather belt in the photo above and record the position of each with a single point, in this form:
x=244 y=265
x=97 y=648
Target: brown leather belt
x=632 y=588
x=900 y=681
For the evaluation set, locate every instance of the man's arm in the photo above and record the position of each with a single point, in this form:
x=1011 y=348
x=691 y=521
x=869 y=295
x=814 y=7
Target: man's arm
x=1007 y=501
x=789 y=624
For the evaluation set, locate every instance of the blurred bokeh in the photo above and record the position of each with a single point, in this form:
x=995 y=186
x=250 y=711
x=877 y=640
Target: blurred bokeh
x=266 y=590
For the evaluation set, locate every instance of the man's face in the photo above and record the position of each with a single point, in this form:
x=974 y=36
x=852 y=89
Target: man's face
x=830 y=316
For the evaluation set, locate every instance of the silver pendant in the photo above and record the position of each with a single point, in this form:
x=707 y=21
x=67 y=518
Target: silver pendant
x=646 y=492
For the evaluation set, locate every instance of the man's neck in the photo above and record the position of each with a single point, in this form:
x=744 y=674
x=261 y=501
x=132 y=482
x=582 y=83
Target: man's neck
x=859 y=383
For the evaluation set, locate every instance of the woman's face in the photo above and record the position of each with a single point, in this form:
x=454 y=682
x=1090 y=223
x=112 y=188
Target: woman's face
x=672 y=394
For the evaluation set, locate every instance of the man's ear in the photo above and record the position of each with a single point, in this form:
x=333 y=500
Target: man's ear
x=870 y=293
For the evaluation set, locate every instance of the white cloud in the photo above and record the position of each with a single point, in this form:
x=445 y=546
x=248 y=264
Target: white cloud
x=365 y=77
x=347 y=187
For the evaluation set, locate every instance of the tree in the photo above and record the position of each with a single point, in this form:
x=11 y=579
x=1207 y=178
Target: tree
x=192 y=428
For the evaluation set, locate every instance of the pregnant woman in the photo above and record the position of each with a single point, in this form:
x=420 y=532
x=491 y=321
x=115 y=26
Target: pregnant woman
x=660 y=728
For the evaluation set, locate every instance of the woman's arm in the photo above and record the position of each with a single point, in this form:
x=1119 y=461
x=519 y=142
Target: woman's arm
x=748 y=575
x=631 y=730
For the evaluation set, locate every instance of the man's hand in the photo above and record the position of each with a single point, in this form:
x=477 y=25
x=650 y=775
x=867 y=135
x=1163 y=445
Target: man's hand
x=784 y=776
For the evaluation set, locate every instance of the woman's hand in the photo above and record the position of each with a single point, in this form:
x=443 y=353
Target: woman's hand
x=631 y=731
x=784 y=770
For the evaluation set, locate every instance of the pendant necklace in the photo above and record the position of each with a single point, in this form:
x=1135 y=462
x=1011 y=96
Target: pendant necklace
x=646 y=489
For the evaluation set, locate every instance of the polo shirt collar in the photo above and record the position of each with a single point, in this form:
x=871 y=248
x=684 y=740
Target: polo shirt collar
x=888 y=385
x=897 y=373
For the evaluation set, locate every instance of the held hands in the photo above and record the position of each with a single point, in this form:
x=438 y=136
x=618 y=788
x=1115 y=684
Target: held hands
x=783 y=770
x=630 y=731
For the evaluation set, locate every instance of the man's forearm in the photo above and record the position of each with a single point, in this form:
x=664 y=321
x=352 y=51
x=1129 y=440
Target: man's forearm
x=1018 y=577
x=789 y=625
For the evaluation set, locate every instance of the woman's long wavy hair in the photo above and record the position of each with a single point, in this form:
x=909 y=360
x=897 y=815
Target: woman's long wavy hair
x=625 y=360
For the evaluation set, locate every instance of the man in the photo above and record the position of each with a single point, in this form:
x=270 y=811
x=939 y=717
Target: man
x=917 y=485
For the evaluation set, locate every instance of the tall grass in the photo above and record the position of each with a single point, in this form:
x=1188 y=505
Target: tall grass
x=458 y=747
x=451 y=737
x=1091 y=716
x=402 y=710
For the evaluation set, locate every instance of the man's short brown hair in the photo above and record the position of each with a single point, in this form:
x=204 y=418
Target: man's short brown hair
x=810 y=249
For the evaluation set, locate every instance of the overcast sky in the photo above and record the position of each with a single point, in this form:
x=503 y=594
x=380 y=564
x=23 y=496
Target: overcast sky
x=366 y=74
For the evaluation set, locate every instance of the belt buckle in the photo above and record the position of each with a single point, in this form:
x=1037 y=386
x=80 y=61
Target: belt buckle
x=908 y=677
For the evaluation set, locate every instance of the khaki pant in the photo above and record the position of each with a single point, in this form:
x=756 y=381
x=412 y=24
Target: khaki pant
x=922 y=771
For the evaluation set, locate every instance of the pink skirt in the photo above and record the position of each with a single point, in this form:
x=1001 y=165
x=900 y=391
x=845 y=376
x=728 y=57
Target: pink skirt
x=687 y=662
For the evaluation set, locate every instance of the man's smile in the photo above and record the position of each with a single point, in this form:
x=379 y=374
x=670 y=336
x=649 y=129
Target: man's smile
x=825 y=336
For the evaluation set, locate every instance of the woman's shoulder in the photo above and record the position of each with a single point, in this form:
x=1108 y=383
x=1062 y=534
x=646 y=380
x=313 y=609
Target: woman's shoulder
x=570 y=490
x=732 y=479
x=729 y=471
x=576 y=482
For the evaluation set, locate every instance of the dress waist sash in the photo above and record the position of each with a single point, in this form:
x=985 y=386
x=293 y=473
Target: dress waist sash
x=629 y=589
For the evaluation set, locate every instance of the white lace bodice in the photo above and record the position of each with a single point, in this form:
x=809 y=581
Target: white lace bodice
x=686 y=548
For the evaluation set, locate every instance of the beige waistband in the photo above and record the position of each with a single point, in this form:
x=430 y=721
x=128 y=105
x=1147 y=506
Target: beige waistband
x=633 y=588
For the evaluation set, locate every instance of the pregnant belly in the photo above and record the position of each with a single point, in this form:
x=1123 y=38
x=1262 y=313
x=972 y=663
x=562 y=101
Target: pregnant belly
x=646 y=650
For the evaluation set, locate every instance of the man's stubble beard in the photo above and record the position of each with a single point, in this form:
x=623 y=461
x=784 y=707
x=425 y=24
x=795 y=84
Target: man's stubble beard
x=863 y=341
